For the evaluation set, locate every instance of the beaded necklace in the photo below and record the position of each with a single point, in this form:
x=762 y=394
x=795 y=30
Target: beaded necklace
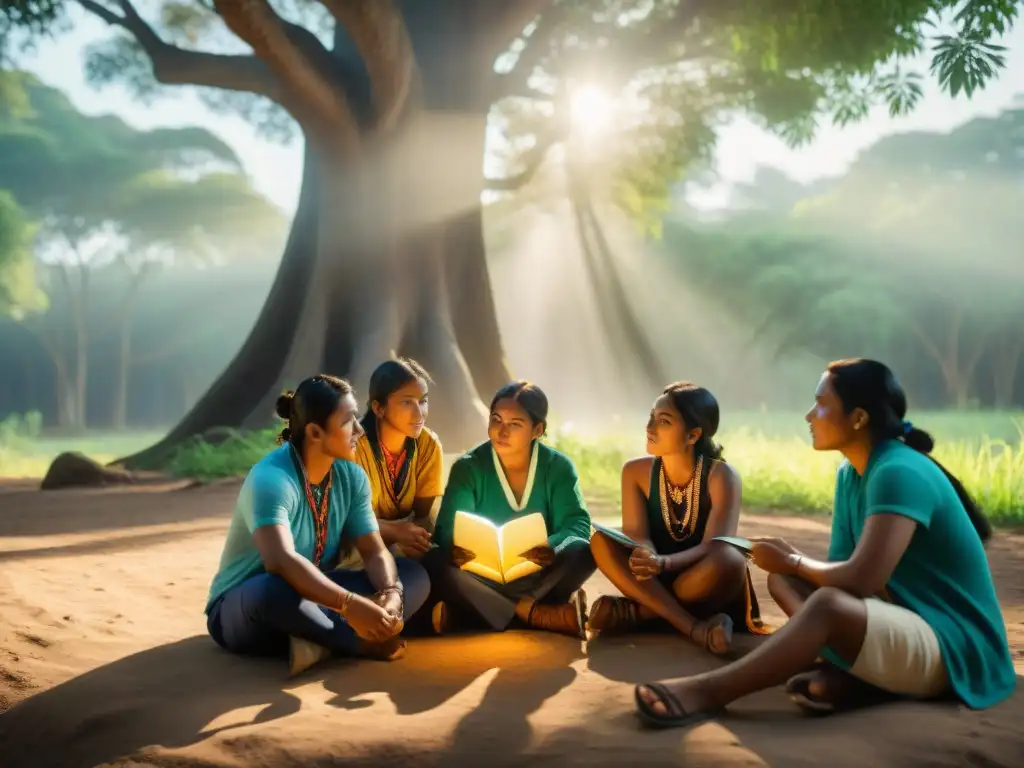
x=674 y=496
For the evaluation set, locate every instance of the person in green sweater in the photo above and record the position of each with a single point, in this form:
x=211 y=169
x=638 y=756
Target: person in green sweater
x=903 y=606
x=510 y=475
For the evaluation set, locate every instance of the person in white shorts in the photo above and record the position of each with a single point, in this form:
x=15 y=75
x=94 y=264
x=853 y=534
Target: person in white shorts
x=904 y=604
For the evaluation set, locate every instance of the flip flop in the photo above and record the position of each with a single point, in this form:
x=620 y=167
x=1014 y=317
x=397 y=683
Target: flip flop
x=677 y=717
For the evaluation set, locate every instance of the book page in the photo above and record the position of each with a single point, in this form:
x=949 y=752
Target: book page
x=517 y=536
x=480 y=536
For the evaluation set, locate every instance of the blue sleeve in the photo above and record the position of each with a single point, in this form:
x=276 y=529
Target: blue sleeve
x=841 y=543
x=459 y=494
x=899 y=489
x=270 y=499
x=568 y=509
x=359 y=520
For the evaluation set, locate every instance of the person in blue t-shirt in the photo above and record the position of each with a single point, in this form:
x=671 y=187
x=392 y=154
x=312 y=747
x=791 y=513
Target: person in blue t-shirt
x=904 y=605
x=275 y=592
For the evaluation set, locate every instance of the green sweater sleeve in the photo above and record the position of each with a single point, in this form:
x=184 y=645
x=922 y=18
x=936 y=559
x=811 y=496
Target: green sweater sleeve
x=459 y=494
x=569 y=515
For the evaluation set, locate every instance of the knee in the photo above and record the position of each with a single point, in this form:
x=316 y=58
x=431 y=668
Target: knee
x=603 y=549
x=415 y=583
x=599 y=544
x=728 y=562
x=275 y=595
x=828 y=602
x=578 y=553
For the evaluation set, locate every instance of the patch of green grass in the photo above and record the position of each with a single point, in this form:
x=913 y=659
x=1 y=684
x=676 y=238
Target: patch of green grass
x=771 y=451
x=27 y=451
x=783 y=472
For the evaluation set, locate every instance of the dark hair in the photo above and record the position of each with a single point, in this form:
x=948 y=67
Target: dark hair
x=699 y=408
x=529 y=396
x=386 y=379
x=312 y=402
x=873 y=387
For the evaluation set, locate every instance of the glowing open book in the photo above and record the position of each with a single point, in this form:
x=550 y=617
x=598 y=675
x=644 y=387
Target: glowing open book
x=498 y=547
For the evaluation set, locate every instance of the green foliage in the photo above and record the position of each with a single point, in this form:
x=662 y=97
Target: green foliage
x=18 y=292
x=911 y=256
x=780 y=470
x=80 y=174
x=681 y=69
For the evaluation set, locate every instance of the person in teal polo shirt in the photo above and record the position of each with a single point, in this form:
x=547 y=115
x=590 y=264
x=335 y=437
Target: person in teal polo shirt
x=904 y=606
x=277 y=590
x=508 y=476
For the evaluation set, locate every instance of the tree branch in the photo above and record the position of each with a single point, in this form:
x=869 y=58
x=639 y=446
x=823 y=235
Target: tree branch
x=319 y=105
x=533 y=160
x=379 y=33
x=516 y=81
x=509 y=21
x=177 y=66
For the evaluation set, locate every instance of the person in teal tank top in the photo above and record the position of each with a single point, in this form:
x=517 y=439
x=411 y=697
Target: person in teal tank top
x=277 y=590
x=904 y=606
x=511 y=475
x=674 y=503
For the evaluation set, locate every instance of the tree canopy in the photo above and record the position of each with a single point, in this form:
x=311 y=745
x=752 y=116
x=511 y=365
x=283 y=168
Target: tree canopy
x=673 y=70
x=913 y=254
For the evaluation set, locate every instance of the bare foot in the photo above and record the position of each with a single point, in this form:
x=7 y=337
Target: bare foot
x=391 y=649
x=829 y=689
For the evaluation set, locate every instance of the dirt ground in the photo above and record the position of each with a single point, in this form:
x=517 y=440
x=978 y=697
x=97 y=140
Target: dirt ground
x=104 y=660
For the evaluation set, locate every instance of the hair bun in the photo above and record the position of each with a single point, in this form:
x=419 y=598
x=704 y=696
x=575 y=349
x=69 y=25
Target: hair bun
x=284 y=404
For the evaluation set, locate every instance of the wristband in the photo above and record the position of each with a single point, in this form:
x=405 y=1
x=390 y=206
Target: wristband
x=796 y=567
x=343 y=603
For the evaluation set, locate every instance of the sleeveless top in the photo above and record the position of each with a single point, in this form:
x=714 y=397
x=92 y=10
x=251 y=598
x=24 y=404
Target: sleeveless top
x=664 y=543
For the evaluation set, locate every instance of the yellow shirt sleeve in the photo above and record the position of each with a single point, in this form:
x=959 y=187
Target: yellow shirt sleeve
x=428 y=466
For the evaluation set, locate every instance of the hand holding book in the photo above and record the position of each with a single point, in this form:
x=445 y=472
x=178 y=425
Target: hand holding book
x=541 y=555
x=461 y=556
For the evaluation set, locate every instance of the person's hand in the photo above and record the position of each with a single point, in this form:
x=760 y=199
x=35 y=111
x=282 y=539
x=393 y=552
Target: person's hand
x=778 y=543
x=774 y=556
x=461 y=556
x=542 y=555
x=370 y=620
x=645 y=564
x=391 y=600
x=414 y=540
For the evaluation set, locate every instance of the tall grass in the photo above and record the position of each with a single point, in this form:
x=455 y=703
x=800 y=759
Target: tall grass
x=771 y=452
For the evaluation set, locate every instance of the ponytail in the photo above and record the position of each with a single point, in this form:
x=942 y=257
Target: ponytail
x=923 y=442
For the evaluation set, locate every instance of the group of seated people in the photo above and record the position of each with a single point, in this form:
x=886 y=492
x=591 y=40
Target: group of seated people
x=334 y=547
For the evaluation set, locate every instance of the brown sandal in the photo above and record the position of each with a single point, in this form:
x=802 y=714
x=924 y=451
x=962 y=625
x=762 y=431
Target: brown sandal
x=613 y=614
x=718 y=627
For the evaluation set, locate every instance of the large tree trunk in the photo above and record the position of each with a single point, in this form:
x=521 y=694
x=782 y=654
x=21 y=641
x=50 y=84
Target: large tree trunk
x=367 y=273
x=386 y=254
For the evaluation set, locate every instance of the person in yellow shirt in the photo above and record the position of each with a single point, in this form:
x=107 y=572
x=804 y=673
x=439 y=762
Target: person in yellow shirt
x=401 y=457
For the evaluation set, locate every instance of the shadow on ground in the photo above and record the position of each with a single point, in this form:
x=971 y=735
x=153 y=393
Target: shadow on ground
x=490 y=700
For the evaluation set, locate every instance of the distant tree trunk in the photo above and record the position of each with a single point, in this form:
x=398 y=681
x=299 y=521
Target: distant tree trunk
x=1005 y=363
x=124 y=359
x=78 y=300
x=957 y=368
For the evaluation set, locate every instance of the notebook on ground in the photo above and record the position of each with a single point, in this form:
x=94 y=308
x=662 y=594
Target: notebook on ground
x=498 y=548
